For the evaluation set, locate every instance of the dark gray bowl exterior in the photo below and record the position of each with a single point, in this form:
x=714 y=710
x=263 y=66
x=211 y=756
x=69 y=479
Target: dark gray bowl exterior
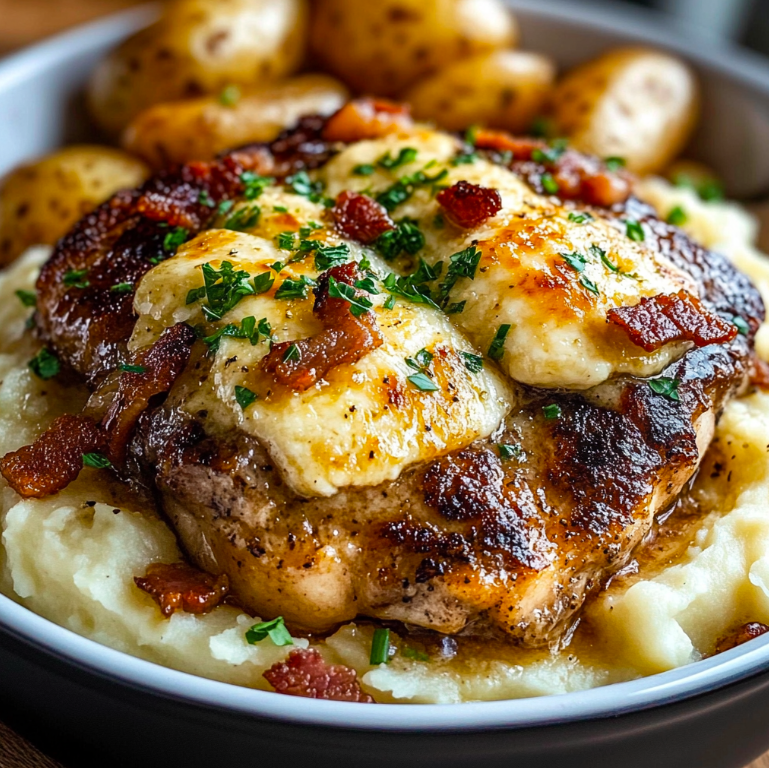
x=112 y=722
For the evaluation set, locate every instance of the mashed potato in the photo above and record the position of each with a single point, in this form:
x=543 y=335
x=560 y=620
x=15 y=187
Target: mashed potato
x=72 y=558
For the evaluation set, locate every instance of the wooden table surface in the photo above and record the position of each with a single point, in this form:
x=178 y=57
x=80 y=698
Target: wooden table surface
x=24 y=21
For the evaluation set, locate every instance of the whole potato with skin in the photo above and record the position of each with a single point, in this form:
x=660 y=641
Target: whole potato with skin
x=380 y=47
x=503 y=89
x=198 y=47
x=41 y=201
x=634 y=103
x=199 y=129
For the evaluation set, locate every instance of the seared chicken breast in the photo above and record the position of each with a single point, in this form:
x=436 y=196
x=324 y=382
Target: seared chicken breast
x=434 y=382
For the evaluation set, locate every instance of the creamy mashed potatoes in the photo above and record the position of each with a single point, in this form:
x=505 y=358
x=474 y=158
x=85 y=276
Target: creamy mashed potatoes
x=72 y=557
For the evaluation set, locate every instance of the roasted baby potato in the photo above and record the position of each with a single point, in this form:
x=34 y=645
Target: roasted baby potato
x=383 y=47
x=503 y=89
x=198 y=47
x=634 y=103
x=199 y=129
x=39 y=202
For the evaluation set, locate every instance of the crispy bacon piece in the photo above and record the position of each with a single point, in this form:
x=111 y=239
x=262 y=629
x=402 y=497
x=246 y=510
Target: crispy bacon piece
x=745 y=633
x=54 y=460
x=163 y=361
x=345 y=338
x=469 y=205
x=360 y=218
x=305 y=673
x=658 y=320
x=180 y=587
x=578 y=176
x=367 y=119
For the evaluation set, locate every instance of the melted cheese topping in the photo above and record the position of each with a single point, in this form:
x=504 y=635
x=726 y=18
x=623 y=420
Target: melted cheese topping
x=367 y=422
x=558 y=336
x=364 y=423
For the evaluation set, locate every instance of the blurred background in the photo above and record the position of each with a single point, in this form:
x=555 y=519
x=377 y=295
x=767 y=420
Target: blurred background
x=743 y=21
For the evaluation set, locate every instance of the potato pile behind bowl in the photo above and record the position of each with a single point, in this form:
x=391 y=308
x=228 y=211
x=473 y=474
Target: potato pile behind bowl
x=210 y=75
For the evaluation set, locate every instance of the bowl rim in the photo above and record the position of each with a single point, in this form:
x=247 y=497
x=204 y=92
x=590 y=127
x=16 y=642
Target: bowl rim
x=608 y=701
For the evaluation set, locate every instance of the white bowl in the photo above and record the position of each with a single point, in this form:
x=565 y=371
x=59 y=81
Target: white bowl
x=139 y=713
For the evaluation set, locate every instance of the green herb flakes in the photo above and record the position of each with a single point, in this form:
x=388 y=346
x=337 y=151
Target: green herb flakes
x=76 y=278
x=497 y=346
x=414 y=654
x=359 y=305
x=575 y=260
x=263 y=282
x=244 y=218
x=292 y=354
x=580 y=218
x=473 y=363
x=665 y=386
x=230 y=96
x=301 y=184
x=275 y=630
x=461 y=264
x=27 y=298
x=507 y=451
x=328 y=256
x=254 y=184
x=45 y=365
x=175 y=238
x=634 y=231
x=96 y=461
x=380 y=647
x=614 y=164
x=549 y=184
x=244 y=396
x=405 y=156
x=742 y=326
x=552 y=411
x=294 y=289
x=589 y=285
x=205 y=199
x=129 y=368
x=422 y=382
x=122 y=288
x=364 y=169
x=677 y=216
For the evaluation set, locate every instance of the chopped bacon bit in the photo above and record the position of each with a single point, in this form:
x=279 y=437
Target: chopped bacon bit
x=360 y=218
x=366 y=119
x=501 y=141
x=745 y=633
x=344 y=340
x=163 y=361
x=54 y=460
x=305 y=673
x=658 y=320
x=759 y=373
x=180 y=587
x=469 y=205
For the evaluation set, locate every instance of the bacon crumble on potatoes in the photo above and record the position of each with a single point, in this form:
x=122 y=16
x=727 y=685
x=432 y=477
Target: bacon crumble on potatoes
x=424 y=398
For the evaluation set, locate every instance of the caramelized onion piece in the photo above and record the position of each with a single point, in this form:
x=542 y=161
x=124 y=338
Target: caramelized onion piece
x=162 y=362
x=742 y=635
x=360 y=218
x=305 y=673
x=54 y=460
x=659 y=320
x=366 y=119
x=469 y=205
x=180 y=587
x=345 y=338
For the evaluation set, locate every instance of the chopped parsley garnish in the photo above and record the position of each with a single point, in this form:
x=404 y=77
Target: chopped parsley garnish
x=599 y=253
x=389 y=301
x=461 y=264
x=327 y=256
x=588 y=284
x=45 y=364
x=224 y=207
x=205 y=199
x=413 y=653
x=456 y=308
x=254 y=184
x=292 y=354
x=244 y=396
x=420 y=363
x=402 y=190
x=122 y=288
x=301 y=184
x=575 y=260
x=552 y=411
x=367 y=284
x=406 y=237
x=244 y=218
x=709 y=189
x=364 y=169
x=247 y=329
x=380 y=647
x=549 y=155
x=742 y=327
x=286 y=241
x=230 y=96
x=173 y=239
x=471 y=135
x=421 y=360
x=580 y=218
x=507 y=451
x=666 y=387
x=465 y=158
x=280 y=209
x=96 y=460
x=275 y=630
x=614 y=163
x=634 y=231
x=359 y=305
x=473 y=363
x=76 y=278
x=27 y=298
x=549 y=184
x=405 y=156
x=497 y=346
x=263 y=282
x=222 y=288
x=294 y=289
x=128 y=368
x=405 y=287
x=677 y=216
